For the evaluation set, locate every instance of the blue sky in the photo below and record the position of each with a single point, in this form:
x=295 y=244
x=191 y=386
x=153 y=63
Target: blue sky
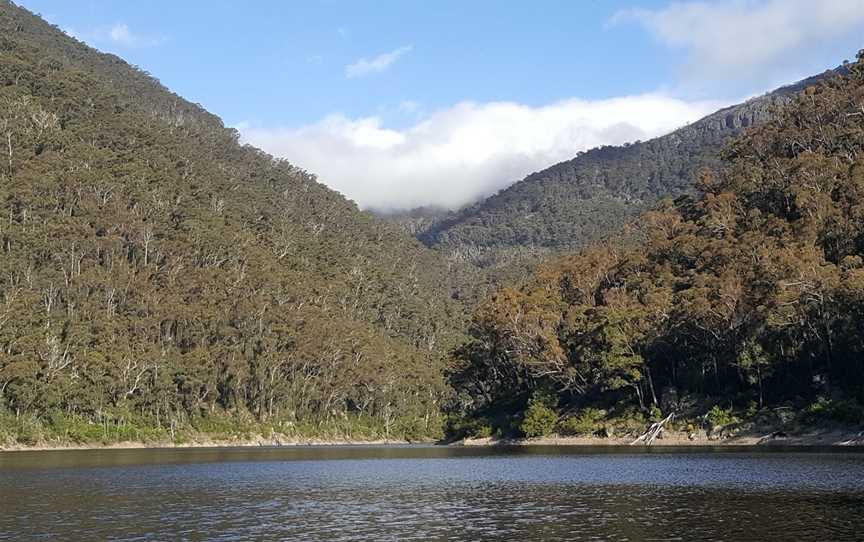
x=406 y=93
x=278 y=61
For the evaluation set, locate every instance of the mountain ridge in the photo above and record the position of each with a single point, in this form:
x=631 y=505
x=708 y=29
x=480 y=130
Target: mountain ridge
x=597 y=192
x=156 y=274
x=718 y=310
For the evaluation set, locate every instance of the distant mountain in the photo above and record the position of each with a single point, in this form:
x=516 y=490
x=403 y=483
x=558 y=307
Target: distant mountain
x=584 y=199
x=154 y=269
x=417 y=221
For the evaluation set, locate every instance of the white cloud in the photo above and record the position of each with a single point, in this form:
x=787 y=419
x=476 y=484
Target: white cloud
x=118 y=34
x=380 y=63
x=459 y=154
x=743 y=37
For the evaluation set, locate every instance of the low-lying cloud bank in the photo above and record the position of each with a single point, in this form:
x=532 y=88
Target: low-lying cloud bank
x=470 y=150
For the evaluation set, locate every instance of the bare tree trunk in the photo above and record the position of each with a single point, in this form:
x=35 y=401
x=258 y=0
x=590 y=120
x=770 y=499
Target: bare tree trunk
x=9 y=148
x=653 y=432
x=759 y=376
x=650 y=384
x=638 y=387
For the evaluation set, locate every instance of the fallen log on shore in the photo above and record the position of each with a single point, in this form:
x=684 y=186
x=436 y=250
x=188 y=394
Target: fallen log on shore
x=653 y=432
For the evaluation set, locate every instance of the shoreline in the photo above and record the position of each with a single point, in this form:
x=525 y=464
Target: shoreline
x=828 y=437
x=259 y=442
x=812 y=438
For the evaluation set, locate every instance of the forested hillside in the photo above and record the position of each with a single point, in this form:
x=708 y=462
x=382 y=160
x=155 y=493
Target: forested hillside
x=749 y=296
x=159 y=280
x=585 y=199
x=155 y=275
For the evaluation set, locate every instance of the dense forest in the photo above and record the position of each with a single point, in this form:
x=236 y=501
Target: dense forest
x=590 y=197
x=155 y=275
x=161 y=281
x=749 y=295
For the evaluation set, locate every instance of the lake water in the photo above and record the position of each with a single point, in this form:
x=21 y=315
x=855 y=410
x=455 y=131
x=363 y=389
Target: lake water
x=432 y=493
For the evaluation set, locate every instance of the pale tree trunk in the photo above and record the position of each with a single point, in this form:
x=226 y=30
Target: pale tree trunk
x=9 y=150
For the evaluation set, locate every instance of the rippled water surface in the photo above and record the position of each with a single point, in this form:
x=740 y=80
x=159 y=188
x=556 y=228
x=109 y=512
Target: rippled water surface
x=431 y=493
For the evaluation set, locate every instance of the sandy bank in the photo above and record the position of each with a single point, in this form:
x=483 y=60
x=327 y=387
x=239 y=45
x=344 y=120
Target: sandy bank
x=815 y=437
x=204 y=442
x=812 y=437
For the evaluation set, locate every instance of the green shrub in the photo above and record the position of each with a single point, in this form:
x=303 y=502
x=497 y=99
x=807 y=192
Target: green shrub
x=844 y=411
x=630 y=420
x=26 y=429
x=223 y=425
x=8 y=428
x=76 y=428
x=416 y=428
x=458 y=427
x=718 y=417
x=539 y=418
x=481 y=430
x=587 y=421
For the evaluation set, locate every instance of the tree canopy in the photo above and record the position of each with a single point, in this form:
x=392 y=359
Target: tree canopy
x=151 y=266
x=752 y=291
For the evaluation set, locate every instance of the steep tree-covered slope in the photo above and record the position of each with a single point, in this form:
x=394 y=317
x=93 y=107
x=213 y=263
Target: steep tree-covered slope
x=155 y=271
x=595 y=194
x=752 y=294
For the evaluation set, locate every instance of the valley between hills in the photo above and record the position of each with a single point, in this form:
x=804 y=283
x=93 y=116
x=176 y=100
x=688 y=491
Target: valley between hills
x=162 y=283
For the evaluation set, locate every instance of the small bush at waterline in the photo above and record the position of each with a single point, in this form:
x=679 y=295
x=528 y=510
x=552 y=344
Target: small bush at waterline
x=539 y=418
x=587 y=421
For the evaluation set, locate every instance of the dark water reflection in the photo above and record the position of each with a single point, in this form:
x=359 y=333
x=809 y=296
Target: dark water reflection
x=431 y=493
